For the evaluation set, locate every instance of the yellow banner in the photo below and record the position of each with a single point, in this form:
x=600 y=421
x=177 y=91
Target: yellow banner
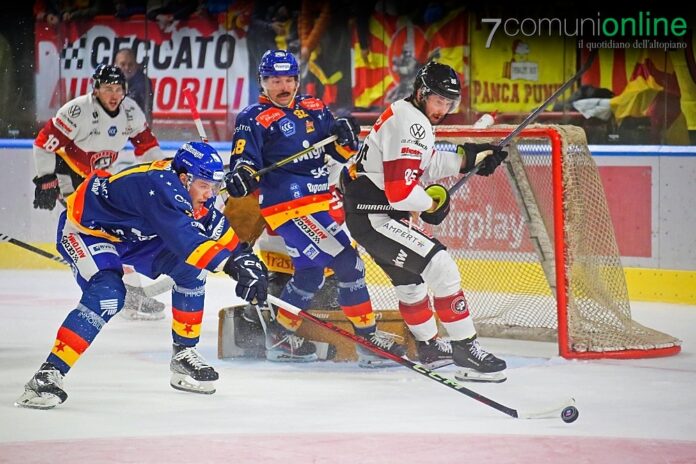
x=516 y=74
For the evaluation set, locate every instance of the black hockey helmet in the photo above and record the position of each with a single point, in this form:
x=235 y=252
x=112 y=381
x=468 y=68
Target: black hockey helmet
x=439 y=79
x=108 y=74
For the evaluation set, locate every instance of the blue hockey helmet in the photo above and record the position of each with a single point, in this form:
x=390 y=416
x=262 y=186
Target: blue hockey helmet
x=109 y=74
x=278 y=63
x=200 y=161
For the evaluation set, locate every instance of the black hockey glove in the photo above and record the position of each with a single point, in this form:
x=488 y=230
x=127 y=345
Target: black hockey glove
x=488 y=165
x=347 y=131
x=240 y=182
x=46 y=192
x=440 y=194
x=251 y=275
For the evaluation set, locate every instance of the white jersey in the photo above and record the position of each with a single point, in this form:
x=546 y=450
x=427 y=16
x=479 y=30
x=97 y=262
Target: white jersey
x=88 y=138
x=399 y=153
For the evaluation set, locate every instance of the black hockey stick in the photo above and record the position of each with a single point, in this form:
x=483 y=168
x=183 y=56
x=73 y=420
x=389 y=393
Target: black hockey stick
x=150 y=291
x=530 y=118
x=429 y=373
x=293 y=157
x=32 y=248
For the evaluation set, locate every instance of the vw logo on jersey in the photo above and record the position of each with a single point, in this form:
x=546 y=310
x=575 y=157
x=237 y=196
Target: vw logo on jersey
x=287 y=127
x=417 y=131
x=74 y=111
x=112 y=131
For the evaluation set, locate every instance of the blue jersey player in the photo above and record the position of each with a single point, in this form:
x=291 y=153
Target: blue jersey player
x=159 y=218
x=294 y=201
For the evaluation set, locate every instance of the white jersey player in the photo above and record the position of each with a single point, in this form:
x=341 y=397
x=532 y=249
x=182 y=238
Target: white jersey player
x=86 y=135
x=384 y=193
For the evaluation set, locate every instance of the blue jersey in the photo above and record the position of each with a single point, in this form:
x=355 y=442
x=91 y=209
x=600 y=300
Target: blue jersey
x=148 y=202
x=266 y=133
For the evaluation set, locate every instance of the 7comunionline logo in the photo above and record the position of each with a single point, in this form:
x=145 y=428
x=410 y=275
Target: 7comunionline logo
x=640 y=25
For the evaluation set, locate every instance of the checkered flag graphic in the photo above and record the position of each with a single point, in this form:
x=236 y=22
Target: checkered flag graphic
x=72 y=55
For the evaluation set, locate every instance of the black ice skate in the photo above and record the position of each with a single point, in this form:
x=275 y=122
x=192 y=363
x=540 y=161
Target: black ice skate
x=383 y=340
x=477 y=364
x=44 y=390
x=285 y=346
x=190 y=372
x=434 y=353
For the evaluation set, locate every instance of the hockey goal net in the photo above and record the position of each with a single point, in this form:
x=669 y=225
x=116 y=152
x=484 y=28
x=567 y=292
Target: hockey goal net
x=536 y=250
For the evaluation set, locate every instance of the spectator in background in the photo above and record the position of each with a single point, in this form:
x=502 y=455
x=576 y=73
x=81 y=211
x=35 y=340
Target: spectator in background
x=166 y=12
x=127 y=8
x=273 y=26
x=84 y=10
x=139 y=86
x=48 y=11
x=325 y=41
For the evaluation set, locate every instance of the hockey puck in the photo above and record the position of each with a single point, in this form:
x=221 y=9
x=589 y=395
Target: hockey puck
x=570 y=414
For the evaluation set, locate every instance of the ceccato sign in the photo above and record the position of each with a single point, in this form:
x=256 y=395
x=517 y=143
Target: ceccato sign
x=197 y=53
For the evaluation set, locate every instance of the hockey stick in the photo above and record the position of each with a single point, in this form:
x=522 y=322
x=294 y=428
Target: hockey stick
x=531 y=117
x=151 y=290
x=32 y=248
x=191 y=102
x=290 y=158
x=429 y=373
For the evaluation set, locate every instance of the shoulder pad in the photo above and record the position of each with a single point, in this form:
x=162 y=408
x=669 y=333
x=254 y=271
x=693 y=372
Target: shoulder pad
x=312 y=103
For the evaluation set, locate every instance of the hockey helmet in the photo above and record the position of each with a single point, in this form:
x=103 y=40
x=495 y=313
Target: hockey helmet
x=278 y=63
x=441 y=80
x=108 y=74
x=199 y=161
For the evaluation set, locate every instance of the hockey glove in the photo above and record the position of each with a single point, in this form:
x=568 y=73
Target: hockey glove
x=251 y=275
x=46 y=192
x=440 y=194
x=240 y=182
x=347 y=131
x=470 y=151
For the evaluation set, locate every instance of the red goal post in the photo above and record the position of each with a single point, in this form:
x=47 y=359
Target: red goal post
x=536 y=249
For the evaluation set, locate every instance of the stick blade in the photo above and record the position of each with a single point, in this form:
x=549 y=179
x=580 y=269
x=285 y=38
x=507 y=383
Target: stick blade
x=547 y=413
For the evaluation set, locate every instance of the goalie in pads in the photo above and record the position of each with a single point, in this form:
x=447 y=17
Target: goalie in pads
x=382 y=195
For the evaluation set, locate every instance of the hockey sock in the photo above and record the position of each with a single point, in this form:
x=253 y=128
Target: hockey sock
x=187 y=314
x=362 y=317
x=453 y=311
x=74 y=336
x=296 y=296
x=419 y=318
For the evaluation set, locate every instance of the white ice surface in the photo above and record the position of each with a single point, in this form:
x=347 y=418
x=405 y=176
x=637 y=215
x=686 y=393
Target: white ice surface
x=122 y=409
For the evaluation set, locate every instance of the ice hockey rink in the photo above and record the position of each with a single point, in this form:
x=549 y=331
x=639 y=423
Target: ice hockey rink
x=122 y=409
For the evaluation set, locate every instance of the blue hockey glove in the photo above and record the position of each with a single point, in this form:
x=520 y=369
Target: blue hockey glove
x=347 y=131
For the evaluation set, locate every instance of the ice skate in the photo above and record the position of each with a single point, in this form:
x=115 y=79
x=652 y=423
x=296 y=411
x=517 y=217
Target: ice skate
x=434 y=353
x=477 y=364
x=44 y=390
x=190 y=372
x=384 y=340
x=140 y=307
x=285 y=346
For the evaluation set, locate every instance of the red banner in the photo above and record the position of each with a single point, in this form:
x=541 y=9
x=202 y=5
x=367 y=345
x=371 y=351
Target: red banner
x=197 y=53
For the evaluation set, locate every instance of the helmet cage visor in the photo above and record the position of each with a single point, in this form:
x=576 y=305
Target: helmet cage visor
x=452 y=99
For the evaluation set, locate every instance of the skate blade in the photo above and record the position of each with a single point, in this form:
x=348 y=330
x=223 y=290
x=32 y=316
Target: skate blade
x=288 y=358
x=32 y=400
x=438 y=364
x=376 y=363
x=140 y=316
x=470 y=375
x=187 y=383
